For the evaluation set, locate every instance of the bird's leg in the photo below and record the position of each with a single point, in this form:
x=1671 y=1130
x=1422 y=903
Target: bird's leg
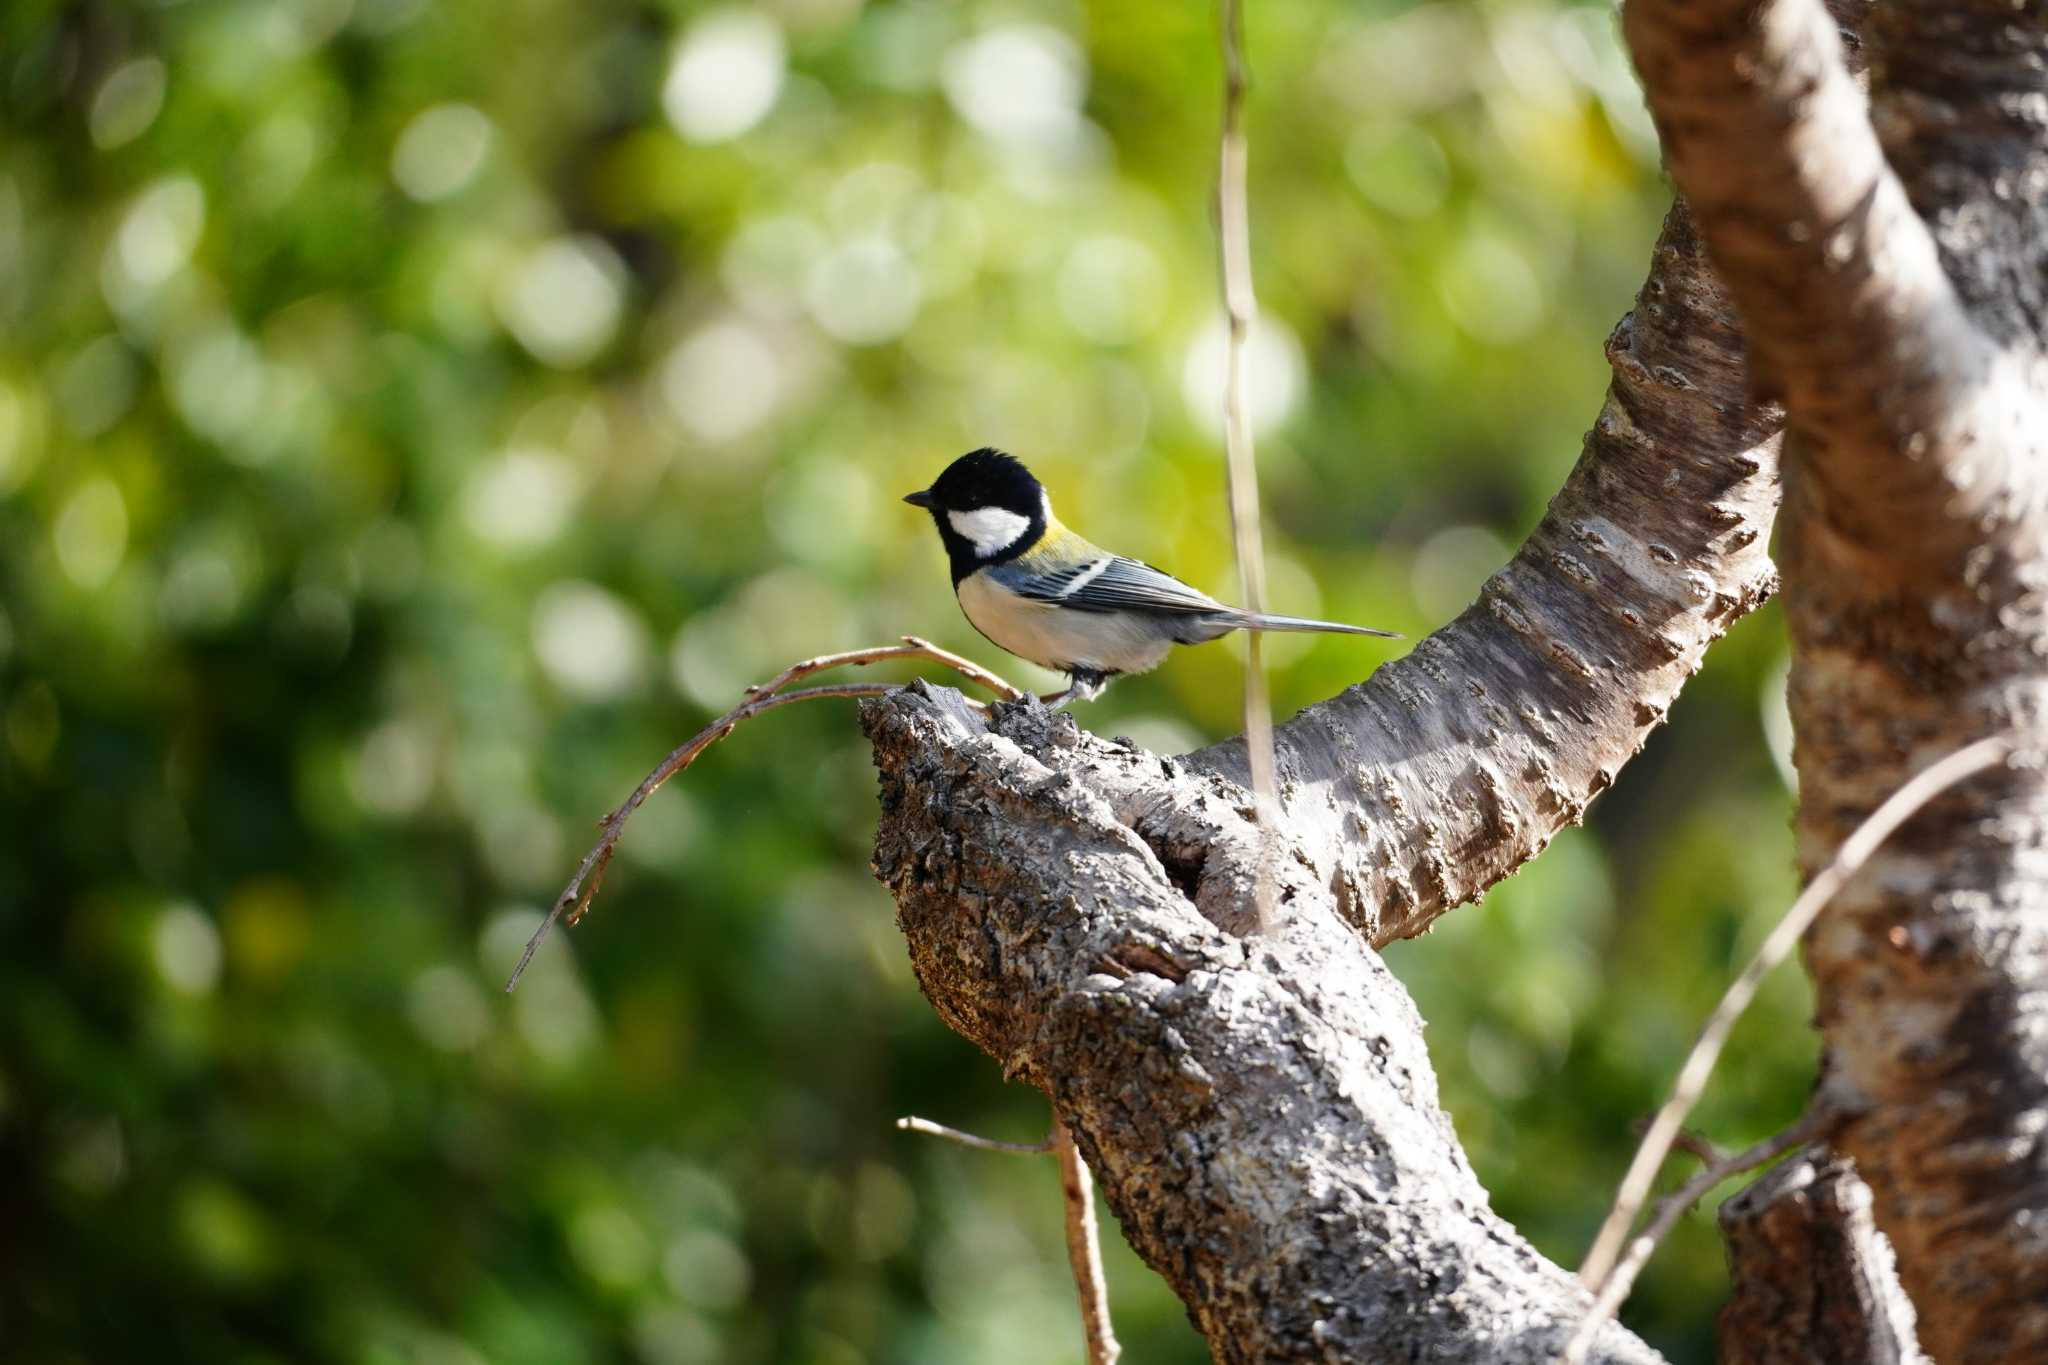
x=1055 y=700
x=1081 y=686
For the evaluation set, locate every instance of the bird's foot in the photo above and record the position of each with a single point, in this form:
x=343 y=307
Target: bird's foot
x=1081 y=686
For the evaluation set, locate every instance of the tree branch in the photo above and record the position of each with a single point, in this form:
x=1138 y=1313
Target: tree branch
x=1615 y=1284
x=1084 y=1250
x=910 y=1123
x=1852 y=319
x=1415 y=791
x=1813 y=1278
x=1240 y=306
x=1261 y=1112
x=583 y=886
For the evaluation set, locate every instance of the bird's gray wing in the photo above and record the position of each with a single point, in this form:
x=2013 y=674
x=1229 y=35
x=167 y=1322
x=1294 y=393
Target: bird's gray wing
x=1114 y=583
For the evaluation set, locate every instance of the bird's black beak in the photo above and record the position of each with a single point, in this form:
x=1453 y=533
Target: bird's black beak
x=921 y=498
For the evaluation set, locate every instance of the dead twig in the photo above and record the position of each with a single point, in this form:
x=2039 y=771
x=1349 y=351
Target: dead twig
x=1084 y=1252
x=1669 y=1210
x=1240 y=306
x=1687 y=1141
x=576 y=897
x=1084 y=1249
x=910 y=1123
x=1868 y=837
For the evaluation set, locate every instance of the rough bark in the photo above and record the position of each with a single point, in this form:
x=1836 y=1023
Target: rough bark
x=1415 y=791
x=1914 y=547
x=1260 y=1111
x=1813 y=1278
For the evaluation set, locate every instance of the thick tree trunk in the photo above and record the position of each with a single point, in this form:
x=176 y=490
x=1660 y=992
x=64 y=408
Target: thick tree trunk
x=1893 y=291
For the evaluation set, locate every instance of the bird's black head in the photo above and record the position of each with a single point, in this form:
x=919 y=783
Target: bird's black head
x=988 y=509
x=982 y=478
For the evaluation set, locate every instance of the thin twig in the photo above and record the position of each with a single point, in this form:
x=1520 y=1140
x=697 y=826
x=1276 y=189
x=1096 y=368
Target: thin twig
x=1084 y=1249
x=1084 y=1252
x=1687 y=1141
x=576 y=897
x=1669 y=1210
x=1868 y=837
x=1240 y=306
x=912 y=1124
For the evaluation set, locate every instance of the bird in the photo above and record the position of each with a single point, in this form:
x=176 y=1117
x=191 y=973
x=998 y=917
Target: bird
x=1038 y=590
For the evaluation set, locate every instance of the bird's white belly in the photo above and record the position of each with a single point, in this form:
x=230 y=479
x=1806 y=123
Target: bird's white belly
x=1059 y=638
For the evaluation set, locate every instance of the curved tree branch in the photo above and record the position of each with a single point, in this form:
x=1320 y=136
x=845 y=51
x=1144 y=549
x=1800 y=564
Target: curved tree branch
x=1415 y=791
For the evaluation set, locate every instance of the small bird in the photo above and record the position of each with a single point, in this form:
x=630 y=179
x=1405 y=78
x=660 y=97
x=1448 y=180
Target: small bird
x=1041 y=592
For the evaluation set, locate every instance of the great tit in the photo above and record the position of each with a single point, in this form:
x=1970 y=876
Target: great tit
x=1041 y=592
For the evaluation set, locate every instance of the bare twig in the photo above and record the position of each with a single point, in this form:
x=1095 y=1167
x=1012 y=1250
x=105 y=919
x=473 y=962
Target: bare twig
x=912 y=1124
x=576 y=897
x=1669 y=1210
x=1240 y=306
x=1687 y=1141
x=1084 y=1253
x=1899 y=807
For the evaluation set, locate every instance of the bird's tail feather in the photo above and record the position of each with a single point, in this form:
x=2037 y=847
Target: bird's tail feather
x=1247 y=621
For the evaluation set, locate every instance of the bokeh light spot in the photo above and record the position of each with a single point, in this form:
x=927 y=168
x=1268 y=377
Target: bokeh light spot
x=590 y=643
x=1450 y=567
x=91 y=534
x=721 y=382
x=705 y=1268
x=448 y=1009
x=21 y=422
x=1275 y=372
x=440 y=151
x=1018 y=83
x=1491 y=290
x=126 y=103
x=186 y=949
x=563 y=300
x=155 y=240
x=726 y=75
x=864 y=292
x=393 y=769
x=766 y=262
x=521 y=500
x=608 y=1243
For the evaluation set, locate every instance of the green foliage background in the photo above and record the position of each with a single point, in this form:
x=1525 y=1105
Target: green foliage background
x=417 y=415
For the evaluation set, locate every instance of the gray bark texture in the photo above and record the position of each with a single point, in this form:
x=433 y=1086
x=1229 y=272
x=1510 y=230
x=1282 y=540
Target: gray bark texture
x=1812 y=1277
x=1887 y=261
x=1261 y=1114
x=1260 y=1110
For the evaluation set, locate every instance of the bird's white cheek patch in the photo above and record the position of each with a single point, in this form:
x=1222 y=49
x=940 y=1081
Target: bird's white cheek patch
x=989 y=529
